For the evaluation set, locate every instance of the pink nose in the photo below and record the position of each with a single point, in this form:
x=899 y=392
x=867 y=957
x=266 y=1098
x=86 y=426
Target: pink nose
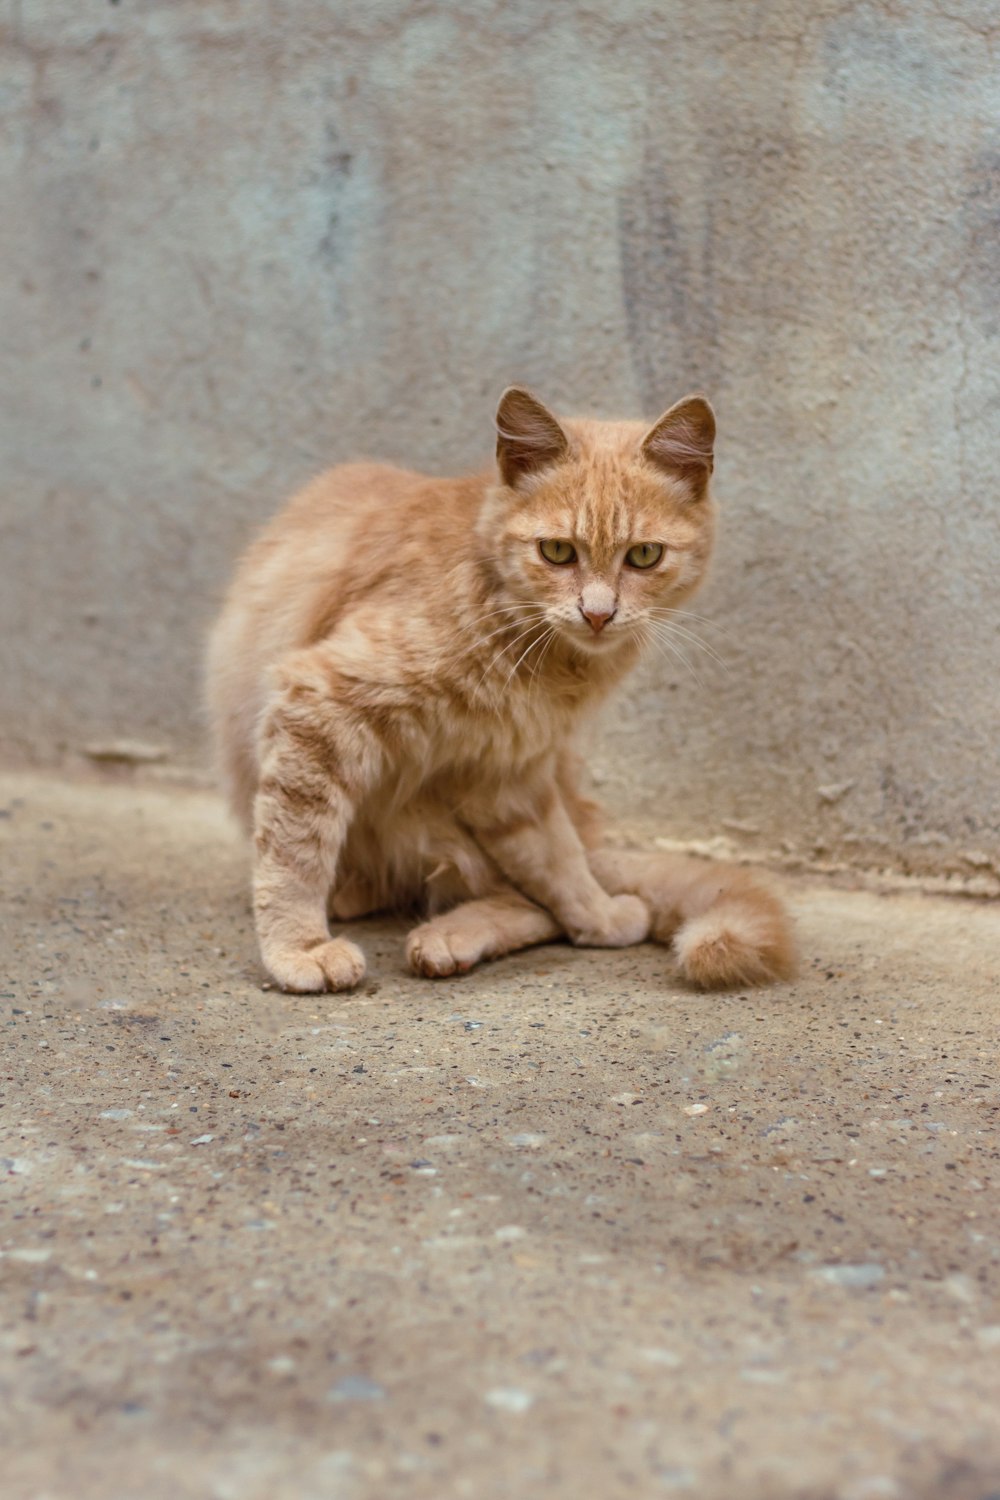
x=597 y=618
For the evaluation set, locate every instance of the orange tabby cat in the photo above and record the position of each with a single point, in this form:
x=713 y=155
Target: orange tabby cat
x=396 y=679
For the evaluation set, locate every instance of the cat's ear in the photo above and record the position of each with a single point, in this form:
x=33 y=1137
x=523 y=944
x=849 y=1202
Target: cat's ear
x=682 y=442
x=528 y=436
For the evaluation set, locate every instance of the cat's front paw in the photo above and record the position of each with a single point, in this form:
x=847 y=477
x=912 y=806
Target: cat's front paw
x=623 y=921
x=436 y=953
x=335 y=965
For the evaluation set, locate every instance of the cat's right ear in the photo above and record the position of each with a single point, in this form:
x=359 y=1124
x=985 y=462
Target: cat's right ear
x=528 y=436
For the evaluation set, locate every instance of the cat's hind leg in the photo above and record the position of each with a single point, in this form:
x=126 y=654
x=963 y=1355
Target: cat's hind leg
x=457 y=940
x=725 y=927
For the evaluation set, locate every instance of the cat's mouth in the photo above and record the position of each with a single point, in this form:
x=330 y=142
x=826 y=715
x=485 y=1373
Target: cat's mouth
x=585 y=638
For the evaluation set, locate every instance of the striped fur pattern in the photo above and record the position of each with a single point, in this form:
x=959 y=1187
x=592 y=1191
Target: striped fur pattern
x=396 y=680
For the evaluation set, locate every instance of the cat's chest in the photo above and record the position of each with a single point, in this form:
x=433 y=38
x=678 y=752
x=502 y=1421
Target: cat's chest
x=501 y=739
x=447 y=758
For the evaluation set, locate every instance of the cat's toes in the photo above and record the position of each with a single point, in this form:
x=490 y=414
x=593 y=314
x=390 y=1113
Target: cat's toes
x=335 y=965
x=436 y=954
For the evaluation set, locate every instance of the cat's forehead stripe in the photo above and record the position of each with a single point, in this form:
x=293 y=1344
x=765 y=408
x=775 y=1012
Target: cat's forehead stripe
x=606 y=522
x=605 y=519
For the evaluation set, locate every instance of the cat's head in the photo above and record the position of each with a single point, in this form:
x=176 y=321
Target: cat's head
x=598 y=526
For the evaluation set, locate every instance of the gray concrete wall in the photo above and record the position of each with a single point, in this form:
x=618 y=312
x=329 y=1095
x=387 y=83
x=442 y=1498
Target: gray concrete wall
x=243 y=240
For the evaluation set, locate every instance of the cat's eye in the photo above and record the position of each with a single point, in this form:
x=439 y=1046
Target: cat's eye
x=557 y=552
x=644 y=555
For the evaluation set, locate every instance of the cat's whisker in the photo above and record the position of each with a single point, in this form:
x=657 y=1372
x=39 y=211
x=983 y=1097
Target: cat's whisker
x=671 y=627
x=536 y=670
x=659 y=612
x=495 y=700
x=655 y=640
x=662 y=611
x=521 y=617
x=527 y=650
x=684 y=633
x=676 y=648
x=513 y=671
x=682 y=640
x=681 y=618
x=512 y=608
x=503 y=609
x=518 y=606
x=508 y=625
x=689 y=614
x=510 y=645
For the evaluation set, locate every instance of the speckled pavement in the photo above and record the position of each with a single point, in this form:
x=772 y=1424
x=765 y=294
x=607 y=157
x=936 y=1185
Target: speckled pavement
x=561 y=1228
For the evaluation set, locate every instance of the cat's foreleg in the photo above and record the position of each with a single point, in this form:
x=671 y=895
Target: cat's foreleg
x=536 y=845
x=725 y=927
x=457 y=940
x=316 y=761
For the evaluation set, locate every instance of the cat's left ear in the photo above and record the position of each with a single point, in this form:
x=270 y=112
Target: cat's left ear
x=682 y=442
x=528 y=436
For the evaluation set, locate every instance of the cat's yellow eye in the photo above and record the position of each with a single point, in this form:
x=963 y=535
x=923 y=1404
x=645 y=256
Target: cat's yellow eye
x=557 y=552
x=644 y=555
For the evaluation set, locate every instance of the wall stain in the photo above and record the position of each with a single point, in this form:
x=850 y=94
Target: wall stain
x=981 y=232
x=335 y=170
x=667 y=287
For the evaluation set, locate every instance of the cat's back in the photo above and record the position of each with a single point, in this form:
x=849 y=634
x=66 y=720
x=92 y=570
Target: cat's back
x=347 y=532
x=314 y=537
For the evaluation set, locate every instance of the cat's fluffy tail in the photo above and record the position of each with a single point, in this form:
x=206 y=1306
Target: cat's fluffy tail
x=726 y=928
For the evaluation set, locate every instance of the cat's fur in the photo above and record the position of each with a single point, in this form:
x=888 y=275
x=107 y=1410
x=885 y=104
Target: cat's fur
x=395 y=682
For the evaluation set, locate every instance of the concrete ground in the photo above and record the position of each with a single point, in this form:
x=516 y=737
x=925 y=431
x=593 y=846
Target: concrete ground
x=561 y=1228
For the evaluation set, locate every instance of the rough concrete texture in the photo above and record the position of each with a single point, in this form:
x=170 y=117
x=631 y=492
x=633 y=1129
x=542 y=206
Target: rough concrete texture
x=245 y=240
x=558 y=1229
